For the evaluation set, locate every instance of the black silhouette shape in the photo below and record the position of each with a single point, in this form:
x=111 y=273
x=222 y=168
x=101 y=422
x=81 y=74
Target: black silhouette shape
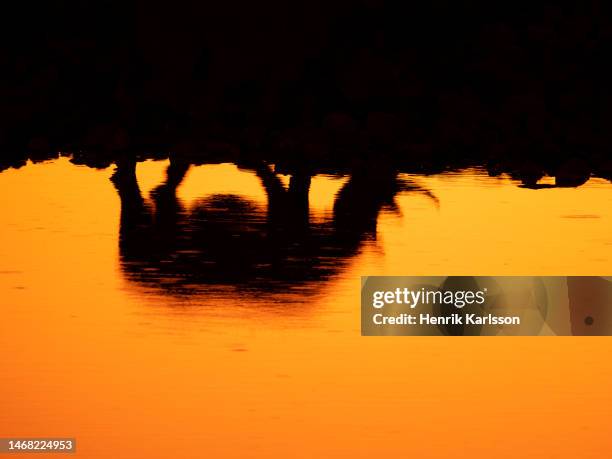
x=226 y=240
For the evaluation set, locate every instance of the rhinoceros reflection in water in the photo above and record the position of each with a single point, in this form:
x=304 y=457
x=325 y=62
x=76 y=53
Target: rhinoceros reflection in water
x=226 y=240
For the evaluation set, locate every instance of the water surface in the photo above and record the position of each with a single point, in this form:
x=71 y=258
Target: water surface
x=146 y=356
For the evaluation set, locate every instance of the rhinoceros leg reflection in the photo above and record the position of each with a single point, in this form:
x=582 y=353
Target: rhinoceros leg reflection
x=136 y=214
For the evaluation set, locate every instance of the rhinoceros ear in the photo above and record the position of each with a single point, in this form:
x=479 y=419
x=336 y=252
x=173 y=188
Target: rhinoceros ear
x=590 y=301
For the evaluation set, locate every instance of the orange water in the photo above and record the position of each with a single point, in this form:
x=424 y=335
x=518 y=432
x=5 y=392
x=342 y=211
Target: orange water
x=134 y=373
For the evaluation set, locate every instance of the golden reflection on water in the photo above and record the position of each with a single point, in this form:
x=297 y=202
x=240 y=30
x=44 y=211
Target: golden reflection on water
x=134 y=372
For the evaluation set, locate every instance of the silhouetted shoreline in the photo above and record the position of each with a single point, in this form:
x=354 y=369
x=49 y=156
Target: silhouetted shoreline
x=567 y=171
